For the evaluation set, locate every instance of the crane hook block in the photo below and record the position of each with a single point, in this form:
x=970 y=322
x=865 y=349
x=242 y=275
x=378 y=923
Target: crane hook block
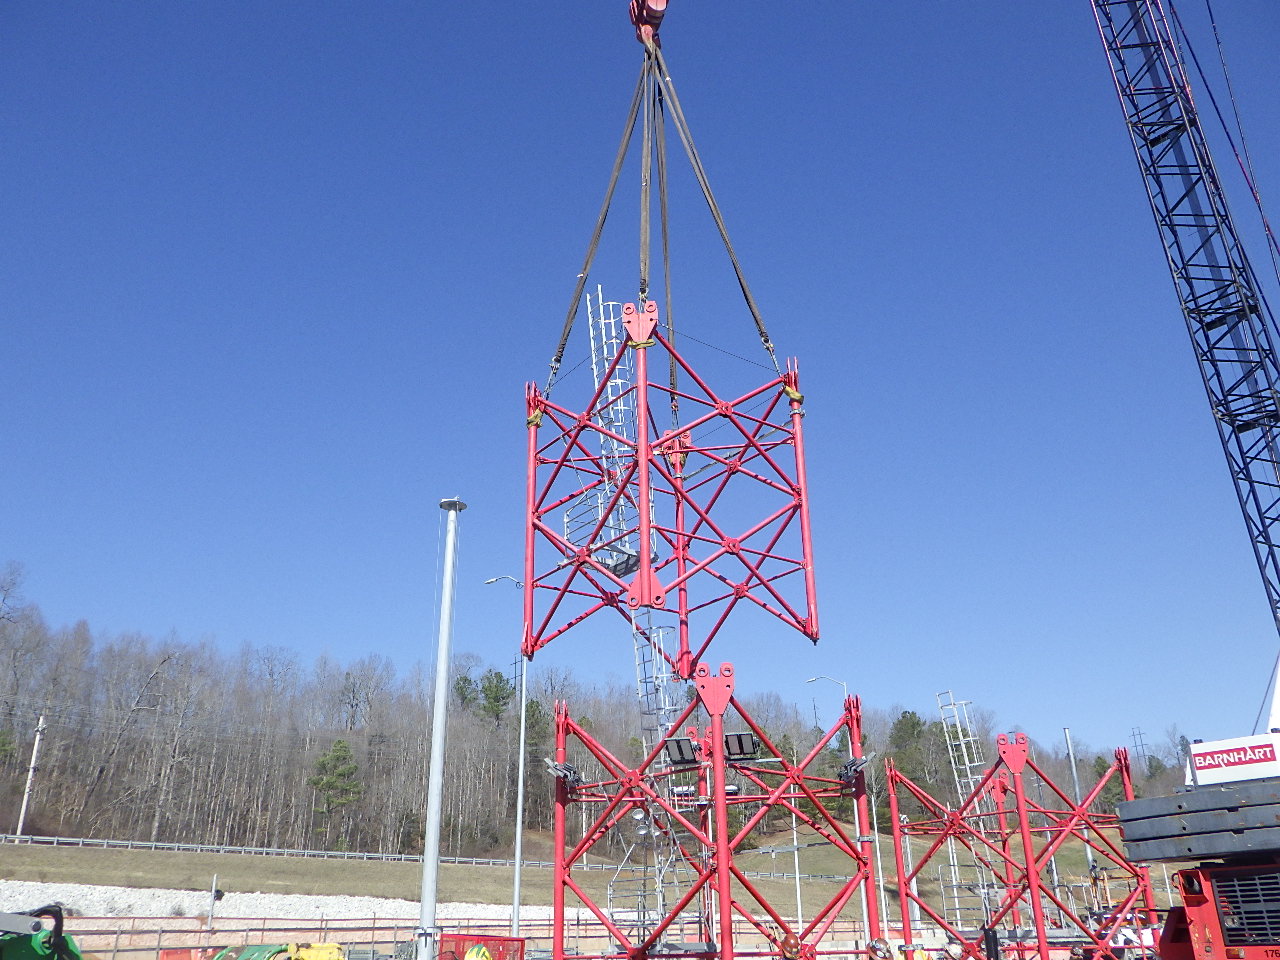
x=647 y=15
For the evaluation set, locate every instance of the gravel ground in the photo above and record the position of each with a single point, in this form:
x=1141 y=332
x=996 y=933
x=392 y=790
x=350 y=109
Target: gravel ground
x=95 y=901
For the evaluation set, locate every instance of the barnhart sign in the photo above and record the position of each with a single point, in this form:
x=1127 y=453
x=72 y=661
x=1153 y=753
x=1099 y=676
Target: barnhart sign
x=1242 y=758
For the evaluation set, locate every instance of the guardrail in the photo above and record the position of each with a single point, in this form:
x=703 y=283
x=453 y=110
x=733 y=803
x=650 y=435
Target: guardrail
x=346 y=855
x=173 y=938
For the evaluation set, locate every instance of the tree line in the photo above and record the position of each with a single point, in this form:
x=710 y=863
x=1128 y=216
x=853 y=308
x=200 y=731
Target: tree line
x=172 y=741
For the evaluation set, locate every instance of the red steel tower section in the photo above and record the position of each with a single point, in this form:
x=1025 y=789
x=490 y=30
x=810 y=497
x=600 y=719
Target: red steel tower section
x=717 y=507
x=706 y=792
x=1012 y=840
x=696 y=507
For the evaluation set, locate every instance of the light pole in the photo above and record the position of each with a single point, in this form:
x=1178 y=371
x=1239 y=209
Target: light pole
x=858 y=826
x=875 y=835
x=1075 y=780
x=843 y=686
x=524 y=711
x=428 y=932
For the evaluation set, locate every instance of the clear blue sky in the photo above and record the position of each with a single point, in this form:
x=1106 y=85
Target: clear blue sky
x=275 y=274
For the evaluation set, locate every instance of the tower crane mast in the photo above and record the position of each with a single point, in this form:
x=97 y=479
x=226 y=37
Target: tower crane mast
x=1231 y=325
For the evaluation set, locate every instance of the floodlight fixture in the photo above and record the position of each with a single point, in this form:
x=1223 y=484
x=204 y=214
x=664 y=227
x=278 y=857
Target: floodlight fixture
x=566 y=772
x=851 y=769
x=680 y=751
x=740 y=746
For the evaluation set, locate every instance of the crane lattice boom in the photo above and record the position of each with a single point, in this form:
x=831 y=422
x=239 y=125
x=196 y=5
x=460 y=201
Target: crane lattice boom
x=1231 y=325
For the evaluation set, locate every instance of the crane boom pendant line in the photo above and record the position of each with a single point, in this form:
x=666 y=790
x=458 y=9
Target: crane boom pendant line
x=1232 y=328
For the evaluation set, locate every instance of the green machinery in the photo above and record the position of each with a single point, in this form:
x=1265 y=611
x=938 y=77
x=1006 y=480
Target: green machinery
x=24 y=937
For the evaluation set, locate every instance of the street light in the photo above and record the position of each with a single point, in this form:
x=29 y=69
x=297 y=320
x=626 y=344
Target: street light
x=843 y=686
x=428 y=933
x=875 y=831
x=519 y=851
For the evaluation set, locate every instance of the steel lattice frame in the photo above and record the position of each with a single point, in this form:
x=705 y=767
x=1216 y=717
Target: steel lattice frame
x=720 y=505
x=995 y=823
x=693 y=521
x=1232 y=328
x=697 y=820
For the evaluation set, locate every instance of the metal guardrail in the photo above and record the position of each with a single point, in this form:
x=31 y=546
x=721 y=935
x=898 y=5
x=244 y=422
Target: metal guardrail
x=344 y=855
x=171 y=938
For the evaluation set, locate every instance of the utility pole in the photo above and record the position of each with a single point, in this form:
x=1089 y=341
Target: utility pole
x=428 y=932
x=31 y=773
x=1139 y=748
x=1075 y=782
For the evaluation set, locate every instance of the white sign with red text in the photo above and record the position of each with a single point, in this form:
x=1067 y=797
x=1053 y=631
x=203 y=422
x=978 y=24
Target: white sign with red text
x=1241 y=758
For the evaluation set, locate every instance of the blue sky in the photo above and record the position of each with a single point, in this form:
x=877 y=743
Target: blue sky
x=275 y=275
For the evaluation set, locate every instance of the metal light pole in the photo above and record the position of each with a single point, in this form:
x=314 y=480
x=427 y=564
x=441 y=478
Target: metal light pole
x=519 y=851
x=913 y=907
x=524 y=720
x=860 y=828
x=213 y=899
x=1075 y=782
x=428 y=932
x=875 y=832
x=843 y=686
x=31 y=773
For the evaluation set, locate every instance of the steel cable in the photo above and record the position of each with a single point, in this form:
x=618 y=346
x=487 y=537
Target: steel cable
x=655 y=89
x=666 y=260
x=1244 y=161
x=595 y=237
x=686 y=138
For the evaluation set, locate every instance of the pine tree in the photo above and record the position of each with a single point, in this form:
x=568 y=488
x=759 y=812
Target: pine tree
x=336 y=782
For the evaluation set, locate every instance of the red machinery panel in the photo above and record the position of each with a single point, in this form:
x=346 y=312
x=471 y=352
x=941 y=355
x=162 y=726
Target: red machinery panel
x=1228 y=911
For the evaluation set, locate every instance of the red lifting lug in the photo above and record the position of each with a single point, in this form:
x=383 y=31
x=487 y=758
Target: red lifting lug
x=647 y=15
